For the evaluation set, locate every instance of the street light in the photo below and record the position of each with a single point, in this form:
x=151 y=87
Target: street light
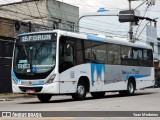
x=100 y=12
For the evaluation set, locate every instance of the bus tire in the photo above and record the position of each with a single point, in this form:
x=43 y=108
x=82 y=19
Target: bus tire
x=130 y=89
x=81 y=92
x=98 y=94
x=44 y=97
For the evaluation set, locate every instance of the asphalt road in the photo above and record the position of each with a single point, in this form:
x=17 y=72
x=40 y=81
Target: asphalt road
x=143 y=100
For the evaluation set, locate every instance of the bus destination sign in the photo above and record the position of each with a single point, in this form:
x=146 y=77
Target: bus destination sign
x=34 y=38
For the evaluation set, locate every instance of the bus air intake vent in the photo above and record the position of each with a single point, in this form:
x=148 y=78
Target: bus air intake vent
x=36 y=89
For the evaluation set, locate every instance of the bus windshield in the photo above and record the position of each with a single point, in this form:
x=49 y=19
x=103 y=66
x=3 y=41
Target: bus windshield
x=34 y=57
x=35 y=54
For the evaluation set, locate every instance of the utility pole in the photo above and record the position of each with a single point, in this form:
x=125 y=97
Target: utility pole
x=130 y=25
x=149 y=2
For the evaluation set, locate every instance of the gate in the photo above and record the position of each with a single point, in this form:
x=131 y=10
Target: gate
x=6 y=51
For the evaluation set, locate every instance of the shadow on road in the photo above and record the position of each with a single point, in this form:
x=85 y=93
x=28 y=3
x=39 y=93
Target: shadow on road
x=89 y=98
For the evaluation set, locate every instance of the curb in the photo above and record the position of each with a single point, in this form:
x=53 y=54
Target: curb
x=5 y=99
x=10 y=97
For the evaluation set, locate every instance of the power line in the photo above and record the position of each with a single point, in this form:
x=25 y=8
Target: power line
x=140 y=5
x=88 y=4
x=42 y=19
x=39 y=13
x=141 y=21
x=143 y=29
x=31 y=15
x=105 y=22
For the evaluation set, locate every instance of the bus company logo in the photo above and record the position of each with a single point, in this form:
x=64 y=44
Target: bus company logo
x=133 y=72
x=97 y=72
x=30 y=83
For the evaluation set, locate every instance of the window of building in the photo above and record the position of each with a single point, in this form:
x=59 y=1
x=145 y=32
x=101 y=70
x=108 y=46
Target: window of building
x=152 y=44
x=56 y=23
x=70 y=26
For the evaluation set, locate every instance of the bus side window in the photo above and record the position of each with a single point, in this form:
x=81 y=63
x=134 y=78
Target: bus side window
x=79 y=51
x=66 y=54
x=135 y=54
x=149 y=55
x=126 y=55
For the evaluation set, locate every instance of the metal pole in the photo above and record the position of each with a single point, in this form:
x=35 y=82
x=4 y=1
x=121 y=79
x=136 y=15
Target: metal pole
x=130 y=26
x=94 y=15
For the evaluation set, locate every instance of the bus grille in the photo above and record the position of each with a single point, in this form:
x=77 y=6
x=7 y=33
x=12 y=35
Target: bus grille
x=36 y=89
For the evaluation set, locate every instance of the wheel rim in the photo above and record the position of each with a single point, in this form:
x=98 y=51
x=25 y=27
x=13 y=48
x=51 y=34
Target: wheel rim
x=81 y=90
x=130 y=88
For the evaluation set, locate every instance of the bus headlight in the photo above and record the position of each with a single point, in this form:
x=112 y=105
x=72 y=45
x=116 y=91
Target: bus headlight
x=13 y=81
x=51 y=79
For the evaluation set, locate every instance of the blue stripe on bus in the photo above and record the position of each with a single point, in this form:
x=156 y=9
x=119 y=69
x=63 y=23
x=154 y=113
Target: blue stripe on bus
x=94 y=38
x=37 y=84
x=15 y=78
x=136 y=76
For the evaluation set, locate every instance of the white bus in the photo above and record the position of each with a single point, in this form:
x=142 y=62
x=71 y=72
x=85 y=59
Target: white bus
x=60 y=62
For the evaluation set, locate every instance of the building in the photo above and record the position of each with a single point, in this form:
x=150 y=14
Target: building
x=157 y=64
x=50 y=14
x=30 y=16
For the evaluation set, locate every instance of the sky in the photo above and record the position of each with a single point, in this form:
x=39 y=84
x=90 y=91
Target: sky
x=91 y=6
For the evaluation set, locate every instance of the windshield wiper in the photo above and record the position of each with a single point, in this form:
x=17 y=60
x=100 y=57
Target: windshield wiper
x=37 y=50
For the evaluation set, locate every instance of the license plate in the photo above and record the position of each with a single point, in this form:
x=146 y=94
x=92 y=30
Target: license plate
x=30 y=91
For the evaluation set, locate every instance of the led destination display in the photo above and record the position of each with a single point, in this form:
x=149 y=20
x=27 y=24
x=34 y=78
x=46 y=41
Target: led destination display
x=37 y=37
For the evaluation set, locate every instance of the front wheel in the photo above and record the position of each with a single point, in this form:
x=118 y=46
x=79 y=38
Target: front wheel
x=44 y=97
x=81 y=92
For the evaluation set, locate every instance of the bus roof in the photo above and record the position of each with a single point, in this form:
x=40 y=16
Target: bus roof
x=115 y=40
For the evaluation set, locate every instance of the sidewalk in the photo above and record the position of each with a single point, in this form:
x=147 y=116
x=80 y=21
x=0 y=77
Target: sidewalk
x=11 y=96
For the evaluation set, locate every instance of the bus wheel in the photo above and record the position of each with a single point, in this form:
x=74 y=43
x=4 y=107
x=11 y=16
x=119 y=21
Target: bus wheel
x=44 y=97
x=130 y=89
x=98 y=94
x=81 y=92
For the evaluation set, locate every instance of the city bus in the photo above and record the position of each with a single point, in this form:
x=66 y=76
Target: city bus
x=66 y=63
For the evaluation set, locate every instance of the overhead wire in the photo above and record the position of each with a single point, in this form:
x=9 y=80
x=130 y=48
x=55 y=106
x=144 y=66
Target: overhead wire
x=39 y=13
x=141 y=21
x=88 y=4
x=33 y=18
x=42 y=9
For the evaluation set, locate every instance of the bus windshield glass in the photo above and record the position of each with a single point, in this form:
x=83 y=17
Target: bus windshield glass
x=36 y=56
